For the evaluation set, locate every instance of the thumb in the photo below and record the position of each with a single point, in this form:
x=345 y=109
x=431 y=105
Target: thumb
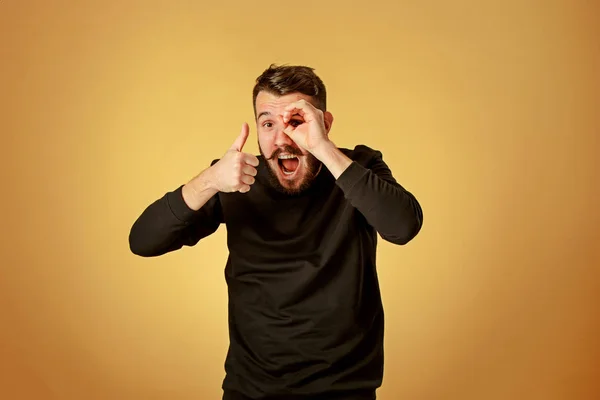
x=238 y=145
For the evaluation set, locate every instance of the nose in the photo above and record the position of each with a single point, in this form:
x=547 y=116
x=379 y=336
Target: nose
x=281 y=139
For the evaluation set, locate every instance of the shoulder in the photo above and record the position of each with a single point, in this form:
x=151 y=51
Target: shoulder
x=362 y=154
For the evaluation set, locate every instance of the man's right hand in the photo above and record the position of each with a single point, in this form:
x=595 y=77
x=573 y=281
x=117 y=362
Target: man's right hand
x=236 y=170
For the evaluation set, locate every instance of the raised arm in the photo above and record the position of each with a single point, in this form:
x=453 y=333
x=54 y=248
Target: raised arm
x=170 y=222
x=392 y=210
x=191 y=212
x=387 y=206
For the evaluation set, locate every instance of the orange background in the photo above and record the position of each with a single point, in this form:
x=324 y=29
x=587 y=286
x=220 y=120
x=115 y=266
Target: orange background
x=488 y=113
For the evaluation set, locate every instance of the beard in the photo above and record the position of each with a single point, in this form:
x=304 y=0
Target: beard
x=312 y=167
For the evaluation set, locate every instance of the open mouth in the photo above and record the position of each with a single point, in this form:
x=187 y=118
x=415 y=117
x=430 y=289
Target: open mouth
x=288 y=164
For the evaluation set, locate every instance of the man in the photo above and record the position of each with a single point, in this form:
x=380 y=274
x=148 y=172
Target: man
x=305 y=313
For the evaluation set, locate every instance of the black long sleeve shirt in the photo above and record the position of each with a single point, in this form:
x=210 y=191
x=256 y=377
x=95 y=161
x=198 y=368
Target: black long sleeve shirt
x=305 y=311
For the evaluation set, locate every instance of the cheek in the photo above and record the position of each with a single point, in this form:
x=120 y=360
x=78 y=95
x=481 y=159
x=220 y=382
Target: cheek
x=265 y=142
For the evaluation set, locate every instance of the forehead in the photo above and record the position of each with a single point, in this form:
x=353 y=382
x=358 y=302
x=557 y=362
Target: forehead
x=272 y=103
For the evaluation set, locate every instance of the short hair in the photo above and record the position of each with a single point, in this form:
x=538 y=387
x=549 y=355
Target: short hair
x=284 y=79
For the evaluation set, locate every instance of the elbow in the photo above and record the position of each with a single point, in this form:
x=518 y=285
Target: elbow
x=137 y=249
x=399 y=239
x=405 y=232
x=138 y=246
x=408 y=225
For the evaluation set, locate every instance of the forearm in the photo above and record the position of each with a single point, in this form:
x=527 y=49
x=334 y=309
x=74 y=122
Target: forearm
x=169 y=224
x=389 y=208
x=333 y=159
x=199 y=190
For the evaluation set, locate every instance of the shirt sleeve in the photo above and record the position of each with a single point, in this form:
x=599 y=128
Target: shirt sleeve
x=168 y=224
x=393 y=211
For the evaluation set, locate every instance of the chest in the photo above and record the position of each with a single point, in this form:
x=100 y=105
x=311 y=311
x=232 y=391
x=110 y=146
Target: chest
x=267 y=229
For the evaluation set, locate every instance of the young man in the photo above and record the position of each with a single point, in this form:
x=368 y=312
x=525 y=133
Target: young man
x=305 y=313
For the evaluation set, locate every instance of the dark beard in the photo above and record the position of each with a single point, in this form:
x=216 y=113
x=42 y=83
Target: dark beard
x=313 y=168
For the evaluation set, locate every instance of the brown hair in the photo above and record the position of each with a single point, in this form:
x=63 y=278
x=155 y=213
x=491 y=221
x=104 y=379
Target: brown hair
x=285 y=79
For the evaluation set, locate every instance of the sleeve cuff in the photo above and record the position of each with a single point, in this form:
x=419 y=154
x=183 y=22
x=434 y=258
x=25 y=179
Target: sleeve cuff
x=350 y=177
x=179 y=207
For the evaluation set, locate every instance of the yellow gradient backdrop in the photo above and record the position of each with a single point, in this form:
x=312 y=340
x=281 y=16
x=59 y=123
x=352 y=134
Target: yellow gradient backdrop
x=489 y=113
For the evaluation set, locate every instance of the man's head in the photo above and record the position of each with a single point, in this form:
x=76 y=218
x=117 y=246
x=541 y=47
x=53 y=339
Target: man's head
x=292 y=168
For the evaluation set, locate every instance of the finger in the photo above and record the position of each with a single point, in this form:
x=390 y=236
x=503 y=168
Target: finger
x=302 y=108
x=287 y=115
x=250 y=159
x=289 y=130
x=249 y=170
x=247 y=179
x=238 y=145
x=244 y=189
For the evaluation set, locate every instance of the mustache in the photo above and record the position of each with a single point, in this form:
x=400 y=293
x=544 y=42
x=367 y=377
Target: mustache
x=286 y=149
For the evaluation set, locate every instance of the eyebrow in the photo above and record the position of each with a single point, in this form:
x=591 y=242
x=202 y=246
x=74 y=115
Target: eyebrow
x=263 y=113
x=268 y=113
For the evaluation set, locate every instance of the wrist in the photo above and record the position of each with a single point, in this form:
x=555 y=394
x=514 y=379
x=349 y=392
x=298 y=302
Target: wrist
x=197 y=190
x=333 y=158
x=207 y=180
x=324 y=150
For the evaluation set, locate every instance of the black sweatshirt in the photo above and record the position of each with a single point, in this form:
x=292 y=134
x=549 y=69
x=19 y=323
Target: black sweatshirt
x=305 y=311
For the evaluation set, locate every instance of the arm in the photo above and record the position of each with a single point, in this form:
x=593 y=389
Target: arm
x=372 y=190
x=180 y=218
x=393 y=211
x=191 y=212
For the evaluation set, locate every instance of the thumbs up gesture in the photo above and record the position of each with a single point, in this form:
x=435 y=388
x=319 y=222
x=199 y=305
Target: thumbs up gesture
x=236 y=170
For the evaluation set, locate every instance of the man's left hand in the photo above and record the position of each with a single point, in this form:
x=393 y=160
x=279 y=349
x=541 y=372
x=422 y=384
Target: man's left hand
x=310 y=133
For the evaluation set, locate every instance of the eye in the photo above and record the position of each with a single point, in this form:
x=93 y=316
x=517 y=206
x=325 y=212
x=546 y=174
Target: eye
x=267 y=124
x=296 y=122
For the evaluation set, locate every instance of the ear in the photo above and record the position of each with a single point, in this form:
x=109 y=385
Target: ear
x=328 y=120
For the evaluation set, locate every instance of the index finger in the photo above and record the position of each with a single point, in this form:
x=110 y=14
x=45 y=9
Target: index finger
x=251 y=159
x=300 y=107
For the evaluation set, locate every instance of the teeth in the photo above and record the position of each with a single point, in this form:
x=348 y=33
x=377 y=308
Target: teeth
x=286 y=156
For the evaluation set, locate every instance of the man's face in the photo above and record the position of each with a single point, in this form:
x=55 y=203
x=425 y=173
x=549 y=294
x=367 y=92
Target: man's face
x=292 y=168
